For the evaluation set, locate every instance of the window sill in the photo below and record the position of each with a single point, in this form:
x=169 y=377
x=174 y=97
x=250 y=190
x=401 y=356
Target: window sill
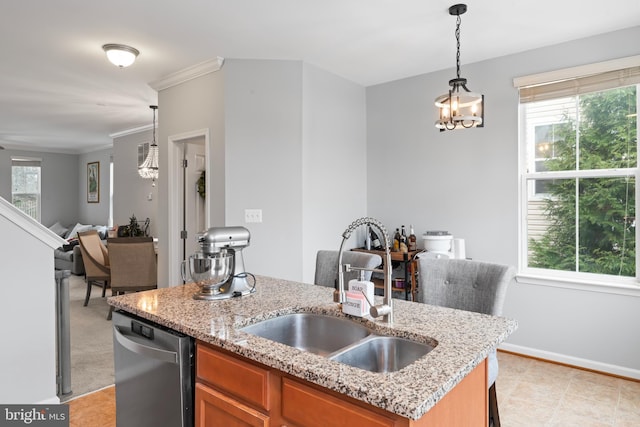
x=579 y=284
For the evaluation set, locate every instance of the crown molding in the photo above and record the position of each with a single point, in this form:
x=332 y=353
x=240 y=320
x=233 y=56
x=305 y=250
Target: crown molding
x=131 y=131
x=187 y=74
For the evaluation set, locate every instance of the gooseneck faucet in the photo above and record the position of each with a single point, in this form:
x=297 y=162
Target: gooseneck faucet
x=339 y=295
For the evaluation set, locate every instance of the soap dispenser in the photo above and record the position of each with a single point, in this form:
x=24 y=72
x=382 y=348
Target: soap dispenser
x=361 y=285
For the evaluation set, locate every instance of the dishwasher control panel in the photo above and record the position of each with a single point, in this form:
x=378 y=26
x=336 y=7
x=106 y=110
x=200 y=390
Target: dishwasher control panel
x=142 y=330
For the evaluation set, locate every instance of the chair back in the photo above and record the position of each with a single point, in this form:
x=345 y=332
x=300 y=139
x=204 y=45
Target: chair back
x=94 y=254
x=133 y=264
x=464 y=284
x=327 y=266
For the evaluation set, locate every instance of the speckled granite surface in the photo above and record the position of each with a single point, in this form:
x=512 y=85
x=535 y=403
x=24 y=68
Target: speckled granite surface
x=463 y=339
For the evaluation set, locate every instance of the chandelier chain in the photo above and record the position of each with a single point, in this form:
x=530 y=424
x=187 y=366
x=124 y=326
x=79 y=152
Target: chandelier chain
x=458 y=21
x=154 y=126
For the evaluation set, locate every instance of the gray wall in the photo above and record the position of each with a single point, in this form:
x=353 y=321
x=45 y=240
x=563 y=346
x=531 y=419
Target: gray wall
x=334 y=163
x=94 y=213
x=194 y=105
x=467 y=182
x=60 y=184
x=131 y=192
x=263 y=109
x=290 y=137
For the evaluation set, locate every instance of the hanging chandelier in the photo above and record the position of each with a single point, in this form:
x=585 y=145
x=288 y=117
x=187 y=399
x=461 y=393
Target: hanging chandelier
x=149 y=168
x=459 y=107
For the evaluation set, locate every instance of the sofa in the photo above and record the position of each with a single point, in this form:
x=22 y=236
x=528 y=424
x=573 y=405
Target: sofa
x=68 y=256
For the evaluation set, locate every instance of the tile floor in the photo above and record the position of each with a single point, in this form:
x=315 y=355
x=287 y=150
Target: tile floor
x=531 y=393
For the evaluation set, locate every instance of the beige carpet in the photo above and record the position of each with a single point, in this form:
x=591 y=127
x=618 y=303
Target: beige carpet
x=91 y=340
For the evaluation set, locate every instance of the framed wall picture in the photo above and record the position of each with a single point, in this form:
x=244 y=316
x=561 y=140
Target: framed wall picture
x=93 y=182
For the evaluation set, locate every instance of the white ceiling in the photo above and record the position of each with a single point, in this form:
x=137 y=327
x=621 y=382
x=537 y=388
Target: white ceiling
x=59 y=93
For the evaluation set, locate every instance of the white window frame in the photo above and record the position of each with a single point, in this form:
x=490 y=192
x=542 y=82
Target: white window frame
x=30 y=160
x=569 y=279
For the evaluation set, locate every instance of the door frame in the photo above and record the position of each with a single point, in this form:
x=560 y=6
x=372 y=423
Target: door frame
x=174 y=158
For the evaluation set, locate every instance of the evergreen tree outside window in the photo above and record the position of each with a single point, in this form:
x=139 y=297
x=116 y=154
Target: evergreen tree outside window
x=579 y=151
x=26 y=185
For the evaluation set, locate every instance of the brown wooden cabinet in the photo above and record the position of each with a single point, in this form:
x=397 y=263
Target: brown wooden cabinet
x=234 y=391
x=214 y=408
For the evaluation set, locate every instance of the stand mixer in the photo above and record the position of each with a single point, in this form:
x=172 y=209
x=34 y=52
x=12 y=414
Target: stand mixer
x=221 y=252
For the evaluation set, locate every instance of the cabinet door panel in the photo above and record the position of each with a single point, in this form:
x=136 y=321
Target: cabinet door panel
x=214 y=409
x=238 y=377
x=307 y=406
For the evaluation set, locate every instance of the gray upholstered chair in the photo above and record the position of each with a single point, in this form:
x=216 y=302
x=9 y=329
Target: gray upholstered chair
x=471 y=286
x=327 y=266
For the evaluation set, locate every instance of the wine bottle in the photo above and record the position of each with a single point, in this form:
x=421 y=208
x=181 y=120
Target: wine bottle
x=413 y=244
x=375 y=240
x=367 y=239
x=403 y=241
x=396 y=241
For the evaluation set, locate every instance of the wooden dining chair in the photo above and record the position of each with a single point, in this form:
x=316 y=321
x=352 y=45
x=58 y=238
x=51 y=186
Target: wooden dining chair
x=472 y=286
x=95 y=257
x=133 y=265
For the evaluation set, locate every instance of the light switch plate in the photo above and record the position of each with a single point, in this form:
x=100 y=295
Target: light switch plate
x=253 y=215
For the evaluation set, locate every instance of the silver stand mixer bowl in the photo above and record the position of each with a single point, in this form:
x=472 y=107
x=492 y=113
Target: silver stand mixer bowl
x=211 y=273
x=223 y=245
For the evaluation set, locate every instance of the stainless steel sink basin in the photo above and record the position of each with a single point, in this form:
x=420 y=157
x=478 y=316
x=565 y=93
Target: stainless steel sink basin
x=314 y=333
x=383 y=354
x=341 y=340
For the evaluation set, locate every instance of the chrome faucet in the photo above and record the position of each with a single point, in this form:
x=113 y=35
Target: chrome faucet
x=339 y=295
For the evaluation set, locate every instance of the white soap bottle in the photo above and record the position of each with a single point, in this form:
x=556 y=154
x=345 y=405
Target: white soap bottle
x=365 y=286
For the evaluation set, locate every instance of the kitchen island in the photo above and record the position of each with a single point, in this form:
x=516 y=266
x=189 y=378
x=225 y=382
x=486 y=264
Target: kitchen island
x=463 y=341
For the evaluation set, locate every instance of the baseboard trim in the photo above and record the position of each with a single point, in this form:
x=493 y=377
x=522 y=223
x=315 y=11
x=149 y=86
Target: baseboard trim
x=574 y=362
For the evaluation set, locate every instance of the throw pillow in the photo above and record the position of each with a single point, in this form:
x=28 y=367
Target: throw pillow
x=59 y=229
x=77 y=229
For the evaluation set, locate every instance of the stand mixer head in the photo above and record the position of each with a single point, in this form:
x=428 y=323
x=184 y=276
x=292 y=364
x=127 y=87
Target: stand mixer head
x=227 y=240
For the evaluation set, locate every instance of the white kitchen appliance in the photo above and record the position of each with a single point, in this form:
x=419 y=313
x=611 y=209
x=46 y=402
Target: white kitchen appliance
x=441 y=244
x=223 y=245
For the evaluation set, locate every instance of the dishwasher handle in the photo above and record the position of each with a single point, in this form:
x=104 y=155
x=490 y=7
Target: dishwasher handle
x=155 y=353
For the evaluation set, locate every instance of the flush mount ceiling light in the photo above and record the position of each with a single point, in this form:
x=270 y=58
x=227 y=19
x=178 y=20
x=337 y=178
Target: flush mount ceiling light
x=459 y=107
x=120 y=55
x=149 y=168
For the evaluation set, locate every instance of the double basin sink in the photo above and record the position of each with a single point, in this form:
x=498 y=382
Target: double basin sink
x=341 y=340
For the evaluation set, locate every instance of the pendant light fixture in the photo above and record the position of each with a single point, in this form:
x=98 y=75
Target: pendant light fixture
x=149 y=168
x=459 y=107
x=120 y=55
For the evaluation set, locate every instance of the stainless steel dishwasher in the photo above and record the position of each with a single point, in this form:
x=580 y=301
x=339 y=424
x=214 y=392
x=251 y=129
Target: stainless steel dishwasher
x=153 y=374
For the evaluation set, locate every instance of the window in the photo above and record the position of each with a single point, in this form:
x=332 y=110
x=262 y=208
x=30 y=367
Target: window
x=579 y=167
x=110 y=219
x=25 y=186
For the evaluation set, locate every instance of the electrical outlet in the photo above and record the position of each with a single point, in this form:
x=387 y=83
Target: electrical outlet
x=253 y=215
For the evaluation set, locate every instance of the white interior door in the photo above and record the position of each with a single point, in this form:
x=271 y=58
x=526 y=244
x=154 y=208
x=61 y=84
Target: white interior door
x=194 y=203
x=185 y=217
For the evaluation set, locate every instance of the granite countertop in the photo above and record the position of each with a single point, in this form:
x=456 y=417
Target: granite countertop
x=464 y=339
